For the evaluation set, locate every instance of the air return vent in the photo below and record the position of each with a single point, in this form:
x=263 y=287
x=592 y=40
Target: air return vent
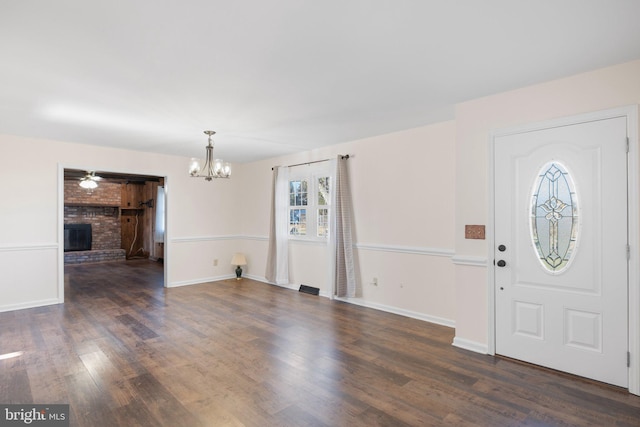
x=309 y=290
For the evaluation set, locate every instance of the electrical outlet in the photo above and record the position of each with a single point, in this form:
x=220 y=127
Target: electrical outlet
x=375 y=281
x=215 y=262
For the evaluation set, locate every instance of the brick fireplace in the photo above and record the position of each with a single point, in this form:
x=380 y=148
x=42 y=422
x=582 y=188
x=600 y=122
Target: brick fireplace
x=100 y=208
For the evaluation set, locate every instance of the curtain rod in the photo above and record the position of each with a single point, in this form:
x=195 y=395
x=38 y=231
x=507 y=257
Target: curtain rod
x=315 y=161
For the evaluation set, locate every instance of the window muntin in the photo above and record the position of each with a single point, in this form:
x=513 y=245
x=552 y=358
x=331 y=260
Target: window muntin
x=322 y=229
x=298 y=193
x=298 y=222
x=323 y=190
x=554 y=217
x=324 y=186
x=298 y=196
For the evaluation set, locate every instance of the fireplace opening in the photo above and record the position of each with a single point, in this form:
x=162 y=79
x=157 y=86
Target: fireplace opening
x=77 y=237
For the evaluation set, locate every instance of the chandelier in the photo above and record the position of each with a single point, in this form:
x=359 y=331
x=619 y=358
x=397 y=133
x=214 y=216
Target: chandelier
x=212 y=168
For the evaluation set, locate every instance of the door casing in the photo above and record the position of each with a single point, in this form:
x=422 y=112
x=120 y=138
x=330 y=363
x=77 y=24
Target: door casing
x=631 y=114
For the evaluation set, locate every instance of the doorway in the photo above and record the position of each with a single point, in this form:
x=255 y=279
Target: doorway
x=124 y=211
x=561 y=243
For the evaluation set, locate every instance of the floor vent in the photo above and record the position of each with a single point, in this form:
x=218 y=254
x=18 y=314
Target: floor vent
x=309 y=290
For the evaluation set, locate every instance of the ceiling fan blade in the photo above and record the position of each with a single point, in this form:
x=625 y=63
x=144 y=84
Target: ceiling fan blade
x=92 y=176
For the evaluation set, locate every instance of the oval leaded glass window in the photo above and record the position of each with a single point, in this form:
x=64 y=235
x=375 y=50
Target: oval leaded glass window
x=554 y=217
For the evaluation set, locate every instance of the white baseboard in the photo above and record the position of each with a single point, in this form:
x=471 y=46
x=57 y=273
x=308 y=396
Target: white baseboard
x=470 y=345
x=368 y=304
x=360 y=302
x=262 y=279
x=400 y=311
x=200 y=281
x=30 y=304
x=256 y=278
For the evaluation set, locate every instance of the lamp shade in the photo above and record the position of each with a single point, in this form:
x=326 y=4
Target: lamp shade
x=238 y=259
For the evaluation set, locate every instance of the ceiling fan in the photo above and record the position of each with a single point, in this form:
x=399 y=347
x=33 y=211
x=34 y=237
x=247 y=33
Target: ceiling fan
x=90 y=180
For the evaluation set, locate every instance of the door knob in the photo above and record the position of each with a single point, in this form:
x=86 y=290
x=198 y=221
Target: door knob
x=501 y=263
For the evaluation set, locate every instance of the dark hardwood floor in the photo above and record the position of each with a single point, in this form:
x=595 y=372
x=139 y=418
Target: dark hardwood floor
x=124 y=351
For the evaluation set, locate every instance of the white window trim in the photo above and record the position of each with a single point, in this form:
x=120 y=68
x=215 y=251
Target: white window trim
x=311 y=173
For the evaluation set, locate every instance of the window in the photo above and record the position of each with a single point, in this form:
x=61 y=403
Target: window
x=309 y=204
x=322 y=229
x=298 y=202
x=158 y=234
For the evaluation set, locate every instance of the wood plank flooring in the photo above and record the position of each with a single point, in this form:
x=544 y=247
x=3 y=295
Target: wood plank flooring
x=124 y=351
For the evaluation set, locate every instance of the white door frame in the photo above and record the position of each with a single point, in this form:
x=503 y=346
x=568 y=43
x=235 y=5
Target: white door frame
x=631 y=114
x=60 y=222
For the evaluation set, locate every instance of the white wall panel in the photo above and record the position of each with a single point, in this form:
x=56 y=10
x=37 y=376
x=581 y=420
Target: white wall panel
x=26 y=277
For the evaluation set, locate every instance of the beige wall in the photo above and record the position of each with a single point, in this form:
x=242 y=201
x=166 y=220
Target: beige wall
x=475 y=120
x=199 y=213
x=403 y=201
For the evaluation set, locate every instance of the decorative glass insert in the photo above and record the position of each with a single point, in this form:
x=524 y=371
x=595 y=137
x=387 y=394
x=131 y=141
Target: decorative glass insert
x=554 y=217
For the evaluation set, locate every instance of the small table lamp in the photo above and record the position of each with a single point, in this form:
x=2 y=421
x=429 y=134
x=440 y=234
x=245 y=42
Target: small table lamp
x=238 y=260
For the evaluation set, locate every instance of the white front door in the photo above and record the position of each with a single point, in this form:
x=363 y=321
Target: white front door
x=561 y=248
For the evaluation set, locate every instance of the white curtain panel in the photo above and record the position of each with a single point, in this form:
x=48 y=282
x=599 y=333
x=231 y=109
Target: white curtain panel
x=278 y=256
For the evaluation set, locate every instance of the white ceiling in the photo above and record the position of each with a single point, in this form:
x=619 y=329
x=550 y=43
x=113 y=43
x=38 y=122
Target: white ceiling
x=282 y=76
